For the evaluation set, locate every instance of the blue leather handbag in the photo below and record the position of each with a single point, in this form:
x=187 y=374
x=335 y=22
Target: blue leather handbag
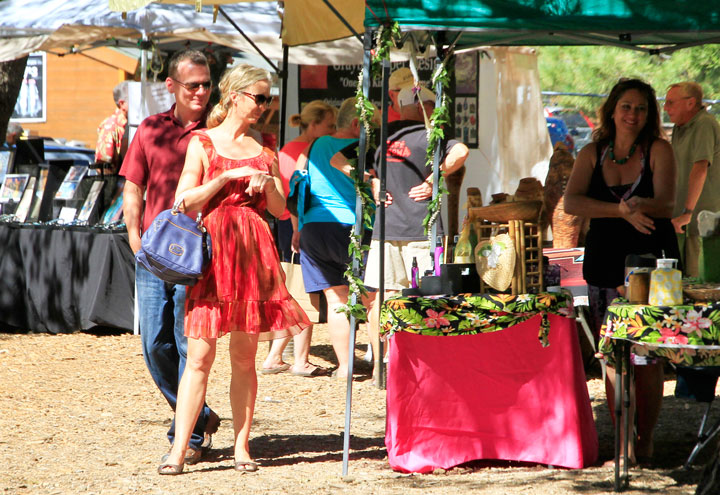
x=175 y=248
x=298 y=199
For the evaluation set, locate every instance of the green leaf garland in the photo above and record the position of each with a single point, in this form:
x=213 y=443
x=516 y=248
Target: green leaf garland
x=386 y=37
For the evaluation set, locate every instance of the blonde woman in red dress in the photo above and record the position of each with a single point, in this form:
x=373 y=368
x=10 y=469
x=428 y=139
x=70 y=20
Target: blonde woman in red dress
x=233 y=179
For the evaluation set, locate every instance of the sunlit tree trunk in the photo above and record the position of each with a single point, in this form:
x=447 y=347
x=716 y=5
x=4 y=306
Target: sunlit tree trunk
x=11 y=75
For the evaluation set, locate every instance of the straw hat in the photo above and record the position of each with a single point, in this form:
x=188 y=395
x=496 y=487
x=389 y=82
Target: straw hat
x=400 y=78
x=495 y=261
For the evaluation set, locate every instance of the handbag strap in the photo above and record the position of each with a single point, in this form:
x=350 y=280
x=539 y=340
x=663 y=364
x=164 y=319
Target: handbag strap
x=307 y=155
x=176 y=210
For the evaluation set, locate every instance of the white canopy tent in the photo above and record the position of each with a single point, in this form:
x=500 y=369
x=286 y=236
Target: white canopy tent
x=61 y=26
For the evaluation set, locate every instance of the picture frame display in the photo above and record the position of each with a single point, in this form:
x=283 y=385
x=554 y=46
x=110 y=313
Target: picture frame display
x=13 y=186
x=71 y=182
x=37 y=197
x=7 y=159
x=67 y=214
x=24 y=207
x=114 y=212
x=90 y=201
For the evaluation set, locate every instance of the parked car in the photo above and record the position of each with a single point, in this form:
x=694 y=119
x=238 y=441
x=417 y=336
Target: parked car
x=559 y=133
x=55 y=150
x=579 y=125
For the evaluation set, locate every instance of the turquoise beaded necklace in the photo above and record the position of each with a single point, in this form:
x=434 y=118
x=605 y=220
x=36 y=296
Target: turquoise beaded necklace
x=620 y=161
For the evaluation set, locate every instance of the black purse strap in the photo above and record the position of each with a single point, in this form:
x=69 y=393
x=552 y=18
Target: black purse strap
x=307 y=155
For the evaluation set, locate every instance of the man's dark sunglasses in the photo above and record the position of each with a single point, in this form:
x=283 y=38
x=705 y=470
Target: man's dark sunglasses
x=259 y=99
x=194 y=86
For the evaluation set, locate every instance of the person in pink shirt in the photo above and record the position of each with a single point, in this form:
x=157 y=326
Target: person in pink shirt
x=316 y=119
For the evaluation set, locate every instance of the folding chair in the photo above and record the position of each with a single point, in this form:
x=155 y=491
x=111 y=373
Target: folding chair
x=699 y=384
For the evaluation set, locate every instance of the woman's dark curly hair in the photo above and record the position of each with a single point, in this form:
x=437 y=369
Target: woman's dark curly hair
x=605 y=132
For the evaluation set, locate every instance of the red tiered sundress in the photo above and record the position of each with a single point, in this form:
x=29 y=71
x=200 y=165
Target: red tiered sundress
x=244 y=288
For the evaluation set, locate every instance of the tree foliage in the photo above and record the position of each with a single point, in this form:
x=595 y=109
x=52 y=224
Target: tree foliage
x=595 y=69
x=11 y=75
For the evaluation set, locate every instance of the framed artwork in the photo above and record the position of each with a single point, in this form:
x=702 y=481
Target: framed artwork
x=114 y=212
x=13 y=186
x=37 y=199
x=30 y=105
x=24 y=207
x=71 y=182
x=7 y=159
x=466 y=73
x=466 y=125
x=90 y=201
x=76 y=173
x=67 y=214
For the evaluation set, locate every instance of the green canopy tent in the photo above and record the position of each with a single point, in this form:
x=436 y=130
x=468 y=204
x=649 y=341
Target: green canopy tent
x=632 y=24
x=650 y=26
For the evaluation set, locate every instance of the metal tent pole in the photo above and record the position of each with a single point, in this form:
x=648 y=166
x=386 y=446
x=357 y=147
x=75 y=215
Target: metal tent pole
x=436 y=161
x=283 y=95
x=379 y=368
x=362 y=147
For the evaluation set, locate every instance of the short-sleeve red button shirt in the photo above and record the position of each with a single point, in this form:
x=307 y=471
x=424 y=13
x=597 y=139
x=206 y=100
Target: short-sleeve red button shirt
x=155 y=160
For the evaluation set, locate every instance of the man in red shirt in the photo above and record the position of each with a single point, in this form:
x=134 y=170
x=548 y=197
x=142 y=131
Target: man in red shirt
x=112 y=140
x=152 y=167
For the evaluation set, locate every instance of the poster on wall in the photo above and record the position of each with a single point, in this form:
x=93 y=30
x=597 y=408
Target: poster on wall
x=466 y=101
x=30 y=105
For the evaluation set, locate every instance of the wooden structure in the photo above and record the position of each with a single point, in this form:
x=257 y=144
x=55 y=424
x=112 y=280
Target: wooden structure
x=527 y=238
x=79 y=93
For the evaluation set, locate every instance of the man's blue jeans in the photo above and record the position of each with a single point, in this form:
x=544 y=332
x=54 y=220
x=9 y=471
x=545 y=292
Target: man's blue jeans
x=162 y=310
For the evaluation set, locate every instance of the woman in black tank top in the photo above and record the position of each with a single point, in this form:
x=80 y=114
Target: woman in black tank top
x=624 y=181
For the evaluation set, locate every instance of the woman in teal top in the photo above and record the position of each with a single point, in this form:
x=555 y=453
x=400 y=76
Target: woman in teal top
x=323 y=233
x=332 y=192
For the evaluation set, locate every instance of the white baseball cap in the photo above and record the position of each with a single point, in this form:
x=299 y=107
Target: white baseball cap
x=409 y=96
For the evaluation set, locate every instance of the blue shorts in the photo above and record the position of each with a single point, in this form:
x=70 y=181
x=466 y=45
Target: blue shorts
x=324 y=254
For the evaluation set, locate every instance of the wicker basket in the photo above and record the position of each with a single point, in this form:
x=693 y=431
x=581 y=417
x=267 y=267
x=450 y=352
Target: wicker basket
x=702 y=292
x=527 y=211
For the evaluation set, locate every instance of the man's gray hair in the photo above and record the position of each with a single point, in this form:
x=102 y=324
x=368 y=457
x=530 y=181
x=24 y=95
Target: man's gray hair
x=691 y=89
x=120 y=92
x=14 y=128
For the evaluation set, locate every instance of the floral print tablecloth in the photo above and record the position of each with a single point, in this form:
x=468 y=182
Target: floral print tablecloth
x=688 y=335
x=467 y=314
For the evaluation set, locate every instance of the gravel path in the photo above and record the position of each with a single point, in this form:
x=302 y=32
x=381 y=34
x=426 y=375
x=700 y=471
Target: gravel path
x=80 y=415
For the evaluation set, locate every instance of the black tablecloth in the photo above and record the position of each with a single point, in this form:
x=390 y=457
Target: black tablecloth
x=57 y=280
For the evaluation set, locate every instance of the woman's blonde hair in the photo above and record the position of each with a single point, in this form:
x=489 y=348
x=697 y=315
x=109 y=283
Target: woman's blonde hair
x=234 y=79
x=313 y=112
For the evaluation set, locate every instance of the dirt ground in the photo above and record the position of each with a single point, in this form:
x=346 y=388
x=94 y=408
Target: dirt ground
x=80 y=415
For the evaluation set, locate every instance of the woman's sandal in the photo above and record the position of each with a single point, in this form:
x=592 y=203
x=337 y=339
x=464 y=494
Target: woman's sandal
x=246 y=466
x=170 y=469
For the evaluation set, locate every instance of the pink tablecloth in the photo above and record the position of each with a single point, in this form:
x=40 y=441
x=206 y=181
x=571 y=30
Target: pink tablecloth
x=497 y=395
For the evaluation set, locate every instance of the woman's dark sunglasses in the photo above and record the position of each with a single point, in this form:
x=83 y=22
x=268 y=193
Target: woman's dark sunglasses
x=259 y=99
x=194 y=86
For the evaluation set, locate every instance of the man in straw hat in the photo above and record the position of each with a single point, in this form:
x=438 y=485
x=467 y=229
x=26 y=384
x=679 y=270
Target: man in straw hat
x=409 y=184
x=400 y=79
